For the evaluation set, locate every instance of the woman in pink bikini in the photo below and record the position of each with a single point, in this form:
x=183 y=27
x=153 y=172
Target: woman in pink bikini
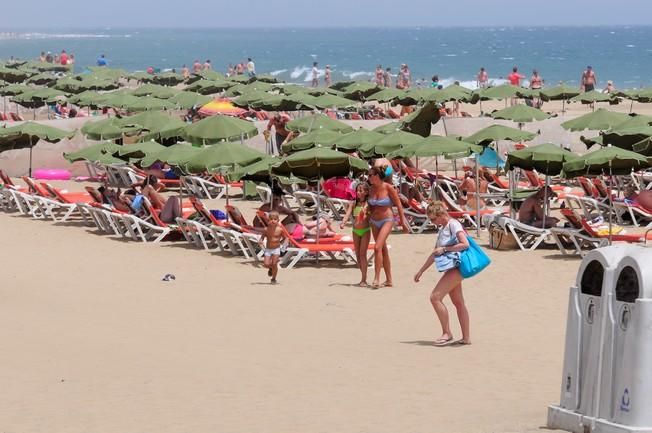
x=382 y=197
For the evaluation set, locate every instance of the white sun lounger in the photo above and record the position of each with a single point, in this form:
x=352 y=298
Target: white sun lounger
x=203 y=188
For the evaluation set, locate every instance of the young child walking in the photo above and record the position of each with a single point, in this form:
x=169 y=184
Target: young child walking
x=274 y=235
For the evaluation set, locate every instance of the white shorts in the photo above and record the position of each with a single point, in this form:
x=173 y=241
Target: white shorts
x=272 y=252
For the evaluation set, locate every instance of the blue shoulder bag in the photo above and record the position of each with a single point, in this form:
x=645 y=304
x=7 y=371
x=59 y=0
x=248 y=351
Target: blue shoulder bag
x=473 y=259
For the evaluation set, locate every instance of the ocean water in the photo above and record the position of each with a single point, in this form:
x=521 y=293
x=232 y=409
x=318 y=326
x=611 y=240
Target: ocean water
x=622 y=54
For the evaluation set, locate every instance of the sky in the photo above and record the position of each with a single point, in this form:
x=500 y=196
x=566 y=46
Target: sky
x=43 y=14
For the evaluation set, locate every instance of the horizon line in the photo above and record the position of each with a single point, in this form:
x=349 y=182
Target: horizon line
x=319 y=27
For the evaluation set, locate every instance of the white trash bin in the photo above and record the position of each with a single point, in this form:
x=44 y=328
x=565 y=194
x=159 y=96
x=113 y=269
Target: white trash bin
x=584 y=339
x=628 y=396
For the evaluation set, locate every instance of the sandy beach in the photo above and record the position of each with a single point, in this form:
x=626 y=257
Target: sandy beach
x=94 y=341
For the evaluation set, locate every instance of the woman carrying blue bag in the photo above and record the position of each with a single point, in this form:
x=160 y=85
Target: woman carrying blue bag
x=457 y=257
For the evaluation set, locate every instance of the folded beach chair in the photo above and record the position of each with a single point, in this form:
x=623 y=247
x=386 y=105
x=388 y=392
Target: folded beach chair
x=631 y=238
x=7 y=203
x=203 y=188
x=26 y=204
x=574 y=239
x=67 y=197
x=139 y=229
x=527 y=237
x=297 y=251
x=636 y=212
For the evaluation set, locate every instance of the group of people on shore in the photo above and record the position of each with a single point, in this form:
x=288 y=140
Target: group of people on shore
x=372 y=217
x=247 y=67
x=63 y=59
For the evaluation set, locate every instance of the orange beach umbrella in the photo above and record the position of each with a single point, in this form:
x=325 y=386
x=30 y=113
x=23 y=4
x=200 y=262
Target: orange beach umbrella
x=220 y=106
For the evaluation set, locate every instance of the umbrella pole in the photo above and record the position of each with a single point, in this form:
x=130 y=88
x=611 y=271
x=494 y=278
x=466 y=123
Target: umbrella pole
x=611 y=207
x=511 y=180
x=477 y=194
x=30 y=156
x=436 y=176
x=455 y=167
x=318 y=209
x=443 y=121
x=545 y=202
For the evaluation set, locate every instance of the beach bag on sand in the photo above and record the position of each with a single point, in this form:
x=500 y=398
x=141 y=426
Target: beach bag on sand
x=473 y=259
x=500 y=239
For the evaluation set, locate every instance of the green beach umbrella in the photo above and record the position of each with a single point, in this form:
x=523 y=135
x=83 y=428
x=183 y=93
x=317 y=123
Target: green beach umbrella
x=504 y=91
x=388 y=128
x=633 y=121
x=360 y=90
x=243 y=79
x=607 y=160
x=387 y=95
x=436 y=145
x=259 y=171
x=559 y=93
x=389 y=143
x=546 y=158
x=267 y=79
x=11 y=75
x=119 y=99
x=454 y=92
x=178 y=154
x=14 y=89
x=599 y=119
x=28 y=134
x=140 y=150
x=528 y=93
x=225 y=154
x=94 y=152
x=499 y=132
x=210 y=74
x=317 y=137
x=70 y=85
x=520 y=113
x=156 y=124
x=247 y=99
x=219 y=128
x=319 y=163
x=299 y=101
x=420 y=121
x=187 y=100
x=624 y=138
x=155 y=90
x=333 y=101
x=105 y=72
x=317 y=121
x=243 y=89
x=643 y=147
x=415 y=96
x=38 y=97
x=88 y=98
x=592 y=96
x=148 y=103
x=167 y=79
x=44 y=78
x=359 y=137
x=107 y=129
x=208 y=87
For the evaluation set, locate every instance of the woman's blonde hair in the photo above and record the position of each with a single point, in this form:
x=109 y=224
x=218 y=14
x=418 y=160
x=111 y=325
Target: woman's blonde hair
x=436 y=209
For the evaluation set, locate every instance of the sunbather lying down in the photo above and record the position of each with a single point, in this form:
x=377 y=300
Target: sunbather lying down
x=642 y=198
x=309 y=229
